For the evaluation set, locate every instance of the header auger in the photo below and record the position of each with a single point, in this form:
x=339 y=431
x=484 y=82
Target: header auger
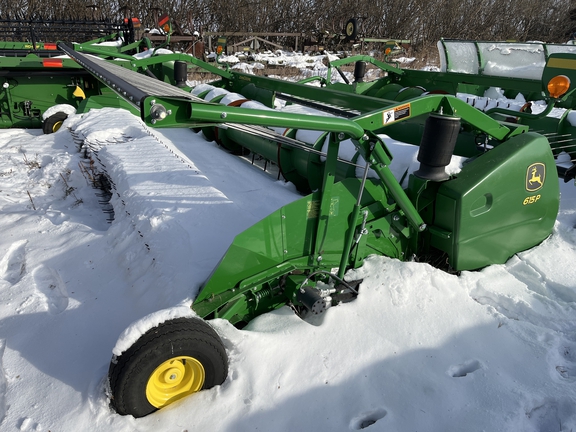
x=500 y=196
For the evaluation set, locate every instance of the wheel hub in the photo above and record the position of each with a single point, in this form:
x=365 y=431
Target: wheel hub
x=175 y=378
x=57 y=126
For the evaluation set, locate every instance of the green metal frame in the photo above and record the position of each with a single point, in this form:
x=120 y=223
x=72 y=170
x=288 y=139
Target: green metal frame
x=345 y=219
x=342 y=222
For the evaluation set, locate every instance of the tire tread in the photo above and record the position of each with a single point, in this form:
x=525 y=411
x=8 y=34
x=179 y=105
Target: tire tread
x=192 y=331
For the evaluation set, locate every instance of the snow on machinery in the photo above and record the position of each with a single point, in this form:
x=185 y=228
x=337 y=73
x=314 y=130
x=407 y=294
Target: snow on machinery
x=503 y=200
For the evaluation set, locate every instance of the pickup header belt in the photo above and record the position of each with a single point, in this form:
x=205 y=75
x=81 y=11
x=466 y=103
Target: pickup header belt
x=135 y=87
x=130 y=85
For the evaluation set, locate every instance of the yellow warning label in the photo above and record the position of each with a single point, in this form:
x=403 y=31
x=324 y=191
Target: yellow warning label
x=561 y=63
x=398 y=113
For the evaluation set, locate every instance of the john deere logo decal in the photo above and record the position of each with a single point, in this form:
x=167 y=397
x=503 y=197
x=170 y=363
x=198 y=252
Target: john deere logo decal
x=535 y=177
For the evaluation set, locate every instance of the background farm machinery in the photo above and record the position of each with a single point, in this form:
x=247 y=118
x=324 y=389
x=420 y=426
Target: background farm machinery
x=500 y=195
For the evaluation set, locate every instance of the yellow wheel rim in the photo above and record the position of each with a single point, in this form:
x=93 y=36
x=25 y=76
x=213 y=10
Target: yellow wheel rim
x=349 y=29
x=57 y=126
x=174 y=379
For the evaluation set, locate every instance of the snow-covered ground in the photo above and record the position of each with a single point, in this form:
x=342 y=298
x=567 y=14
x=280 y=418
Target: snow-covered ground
x=419 y=350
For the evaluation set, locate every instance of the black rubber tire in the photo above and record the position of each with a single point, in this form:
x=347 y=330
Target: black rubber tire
x=53 y=123
x=351 y=29
x=130 y=372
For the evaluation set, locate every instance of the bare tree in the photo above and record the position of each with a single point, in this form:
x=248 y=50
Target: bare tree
x=422 y=21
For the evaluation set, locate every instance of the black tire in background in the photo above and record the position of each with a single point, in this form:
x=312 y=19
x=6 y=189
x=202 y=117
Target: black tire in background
x=181 y=341
x=351 y=29
x=53 y=123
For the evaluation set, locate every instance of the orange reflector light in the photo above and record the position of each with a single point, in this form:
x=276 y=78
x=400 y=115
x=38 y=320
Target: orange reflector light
x=50 y=46
x=388 y=51
x=558 y=86
x=50 y=62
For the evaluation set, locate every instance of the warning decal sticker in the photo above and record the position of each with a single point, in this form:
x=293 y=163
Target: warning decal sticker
x=398 y=113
